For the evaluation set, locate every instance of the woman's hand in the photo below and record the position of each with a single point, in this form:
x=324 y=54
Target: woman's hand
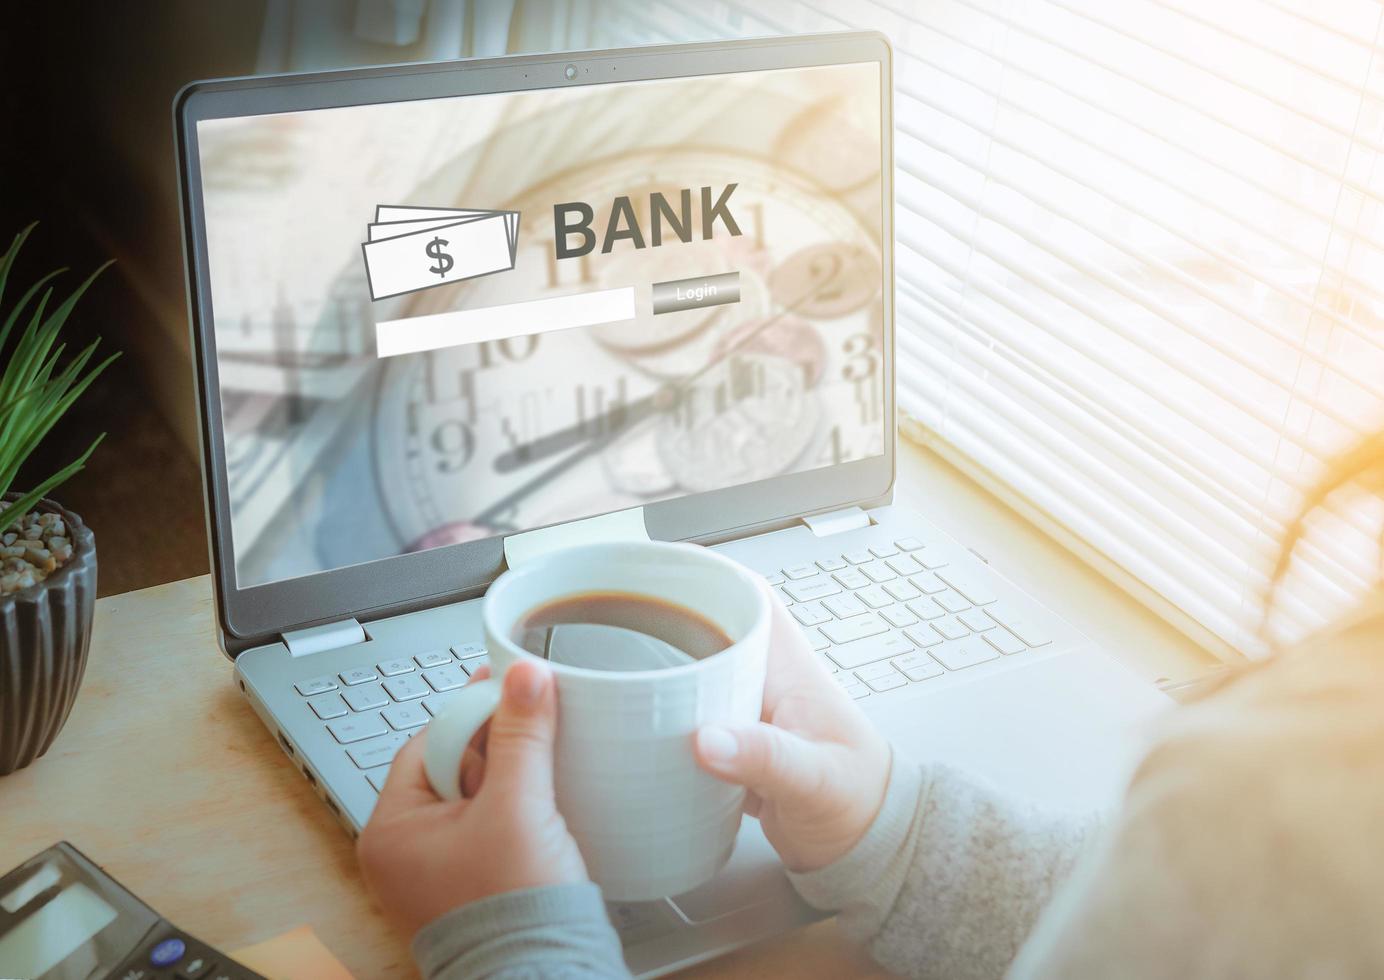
x=423 y=856
x=815 y=768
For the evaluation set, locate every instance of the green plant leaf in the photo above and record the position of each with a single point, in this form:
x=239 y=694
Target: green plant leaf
x=56 y=403
x=26 y=503
x=7 y=260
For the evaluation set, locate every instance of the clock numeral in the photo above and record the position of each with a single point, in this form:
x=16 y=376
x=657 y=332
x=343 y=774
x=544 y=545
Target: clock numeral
x=509 y=349
x=862 y=360
x=568 y=272
x=454 y=443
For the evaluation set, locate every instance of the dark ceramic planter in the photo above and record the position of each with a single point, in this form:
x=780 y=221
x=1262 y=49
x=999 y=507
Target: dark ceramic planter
x=45 y=632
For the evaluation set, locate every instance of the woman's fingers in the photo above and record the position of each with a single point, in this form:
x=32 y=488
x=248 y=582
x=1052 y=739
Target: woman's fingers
x=770 y=762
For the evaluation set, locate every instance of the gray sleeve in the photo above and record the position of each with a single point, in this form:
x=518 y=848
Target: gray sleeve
x=560 y=931
x=950 y=878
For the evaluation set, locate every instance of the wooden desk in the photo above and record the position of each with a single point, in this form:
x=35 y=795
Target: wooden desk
x=165 y=776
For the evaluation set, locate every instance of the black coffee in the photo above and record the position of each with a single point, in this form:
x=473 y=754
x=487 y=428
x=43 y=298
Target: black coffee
x=618 y=631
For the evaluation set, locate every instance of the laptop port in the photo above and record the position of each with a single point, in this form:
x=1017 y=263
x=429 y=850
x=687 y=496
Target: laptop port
x=312 y=780
x=332 y=804
x=287 y=748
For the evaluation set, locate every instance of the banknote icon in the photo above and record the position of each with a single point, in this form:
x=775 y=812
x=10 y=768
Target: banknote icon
x=411 y=248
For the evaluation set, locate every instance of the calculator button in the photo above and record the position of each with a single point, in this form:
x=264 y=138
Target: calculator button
x=434 y=658
x=445 y=678
x=349 y=730
x=465 y=650
x=377 y=751
x=327 y=706
x=167 y=952
x=392 y=668
x=195 y=968
x=316 y=685
x=366 y=697
x=405 y=716
x=406 y=688
x=360 y=675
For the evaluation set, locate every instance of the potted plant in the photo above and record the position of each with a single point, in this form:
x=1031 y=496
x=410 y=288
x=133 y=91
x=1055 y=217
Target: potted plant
x=47 y=555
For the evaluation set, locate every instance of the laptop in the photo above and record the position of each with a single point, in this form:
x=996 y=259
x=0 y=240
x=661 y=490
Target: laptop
x=448 y=317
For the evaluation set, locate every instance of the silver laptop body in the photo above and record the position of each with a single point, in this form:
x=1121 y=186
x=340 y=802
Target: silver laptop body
x=694 y=363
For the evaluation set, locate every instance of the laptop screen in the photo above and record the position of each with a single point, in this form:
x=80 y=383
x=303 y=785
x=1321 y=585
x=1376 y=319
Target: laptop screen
x=448 y=319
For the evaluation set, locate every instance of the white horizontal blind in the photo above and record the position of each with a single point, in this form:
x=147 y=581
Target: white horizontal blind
x=1140 y=270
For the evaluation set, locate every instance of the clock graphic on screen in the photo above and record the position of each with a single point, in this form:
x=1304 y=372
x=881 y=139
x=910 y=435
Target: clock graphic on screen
x=488 y=438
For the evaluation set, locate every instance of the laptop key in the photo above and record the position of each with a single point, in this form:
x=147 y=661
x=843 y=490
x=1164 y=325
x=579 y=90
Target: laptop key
x=474 y=664
x=357 y=727
x=815 y=639
x=883 y=550
x=377 y=777
x=923 y=636
x=976 y=621
x=327 y=706
x=844 y=606
x=365 y=697
x=904 y=565
x=805 y=570
x=951 y=601
x=358 y=675
x=377 y=751
x=927 y=582
x=774 y=578
x=813 y=588
x=391 y=668
x=1005 y=641
x=434 y=658
x=875 y=597
x=405 y=716
x=855 y=628
x=445 y=678
x=925 y=608
x=406 y=688
x=882 y=669
x=464 y=650
x=929 y=557
x=898 y=615
x=851 y=579
x=859 y=556
x=902 y=590
x=1024 y=629
x=877 y=571
x=888 y=682
x=316 y=685
x=857 y=691
x=908 y=544
x=950 y=628
x=831 y=564
x=959 y=655
x=918 y=666
x=810 y=614
x=849 y=656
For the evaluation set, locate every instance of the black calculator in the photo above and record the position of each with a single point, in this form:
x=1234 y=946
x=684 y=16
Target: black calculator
x=63 y=918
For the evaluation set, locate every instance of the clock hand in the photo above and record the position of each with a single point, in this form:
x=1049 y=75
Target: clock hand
x=626 y=417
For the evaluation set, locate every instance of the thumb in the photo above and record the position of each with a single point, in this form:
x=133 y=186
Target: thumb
x=771 y=763
x=519 y=751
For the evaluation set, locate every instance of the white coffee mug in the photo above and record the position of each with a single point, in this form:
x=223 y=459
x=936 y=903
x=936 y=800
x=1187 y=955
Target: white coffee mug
x=649 y=823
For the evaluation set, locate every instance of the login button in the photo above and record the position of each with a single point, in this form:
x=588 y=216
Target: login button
x=694 y=293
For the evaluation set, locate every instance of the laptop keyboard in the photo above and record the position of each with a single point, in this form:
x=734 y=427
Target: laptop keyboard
x=883 y=618
x=372 y=711
x=889 y=616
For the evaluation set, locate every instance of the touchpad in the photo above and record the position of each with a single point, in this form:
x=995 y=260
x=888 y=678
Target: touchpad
x=752 y=876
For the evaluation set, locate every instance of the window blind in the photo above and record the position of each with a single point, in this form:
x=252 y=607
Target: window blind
x=1140 y=261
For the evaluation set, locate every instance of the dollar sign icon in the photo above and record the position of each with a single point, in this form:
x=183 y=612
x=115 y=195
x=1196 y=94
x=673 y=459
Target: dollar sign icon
x=444 y=261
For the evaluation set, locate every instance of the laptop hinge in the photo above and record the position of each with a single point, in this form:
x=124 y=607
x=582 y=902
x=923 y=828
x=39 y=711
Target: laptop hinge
x=846 y=519
x=622 y=525
x=329 y=636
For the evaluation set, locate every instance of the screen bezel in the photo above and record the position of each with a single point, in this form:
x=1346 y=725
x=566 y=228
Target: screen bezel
x=257 y=614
